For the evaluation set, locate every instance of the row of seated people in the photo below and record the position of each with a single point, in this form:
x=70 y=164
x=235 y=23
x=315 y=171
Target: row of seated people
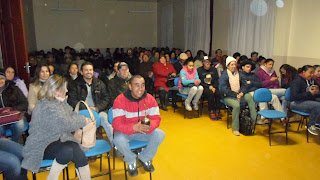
x=53 y=120
x=78 y=88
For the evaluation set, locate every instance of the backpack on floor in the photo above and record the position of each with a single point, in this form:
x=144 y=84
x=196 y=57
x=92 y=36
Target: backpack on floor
x=245 y=123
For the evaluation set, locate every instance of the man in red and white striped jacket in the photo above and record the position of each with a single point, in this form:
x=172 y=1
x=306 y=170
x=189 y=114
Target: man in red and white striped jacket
x=128 y=110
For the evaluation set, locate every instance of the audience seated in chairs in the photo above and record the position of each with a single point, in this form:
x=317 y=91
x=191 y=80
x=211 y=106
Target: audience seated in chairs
x=129 y=110
x=209 y=80
x=269 y=80
x=234 y=92
x=189 y=83
x=161 y=71
x=50 y=136
x=10 y=160
x=305 y=97
x=12 y=96
x=42 y=73
x=97 y=99
x=251 y=83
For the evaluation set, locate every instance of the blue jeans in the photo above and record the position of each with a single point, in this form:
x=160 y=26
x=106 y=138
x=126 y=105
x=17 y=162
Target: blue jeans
x=106 y=125
x=312 y=107
x=121 y=141
x=10 y=160
x=16 y=128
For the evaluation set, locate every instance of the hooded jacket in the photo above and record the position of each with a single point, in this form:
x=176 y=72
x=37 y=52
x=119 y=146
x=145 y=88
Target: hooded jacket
x=128 y=111
x=299 y=92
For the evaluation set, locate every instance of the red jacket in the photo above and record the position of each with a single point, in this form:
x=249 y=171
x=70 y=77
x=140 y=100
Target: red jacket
x=161 y=72
x=128 y=111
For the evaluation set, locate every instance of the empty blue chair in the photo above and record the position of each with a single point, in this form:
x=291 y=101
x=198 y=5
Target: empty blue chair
x=304 y=115
x=101 y=147
x=135 y=146
x=264 y=95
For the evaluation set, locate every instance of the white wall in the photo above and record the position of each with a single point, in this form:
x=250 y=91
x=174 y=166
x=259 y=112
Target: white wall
x=102 y=24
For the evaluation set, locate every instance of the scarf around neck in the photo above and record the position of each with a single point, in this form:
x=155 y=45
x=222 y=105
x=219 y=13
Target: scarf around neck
x=234 y=80
x=269 y=72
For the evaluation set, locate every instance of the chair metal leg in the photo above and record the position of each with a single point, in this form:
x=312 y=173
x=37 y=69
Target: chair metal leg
x=301 y=122
x=63 y=174
x=150 y=176
x=108 y=156
x=270 y=120
x=100 y=162
x=34 y=177
x=307 y=135
x=67 y=171
x=125 y=170
x=114 y=158
x=287 y=125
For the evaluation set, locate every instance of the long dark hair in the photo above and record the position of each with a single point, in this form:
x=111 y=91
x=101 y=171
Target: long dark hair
x=36 y=77
x=290 y=73
x=304 y=68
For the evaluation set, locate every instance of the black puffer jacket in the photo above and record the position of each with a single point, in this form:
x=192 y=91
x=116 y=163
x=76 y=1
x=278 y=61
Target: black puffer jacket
x=255 y=82
x=12 y=96
x=78 y=91
x=117 y=86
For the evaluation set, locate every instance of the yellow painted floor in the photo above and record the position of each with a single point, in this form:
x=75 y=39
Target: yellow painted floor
x=201 y=149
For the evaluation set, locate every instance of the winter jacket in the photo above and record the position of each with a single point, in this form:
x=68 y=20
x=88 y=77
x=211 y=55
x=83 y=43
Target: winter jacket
x=299 y=92
x=203 y=73
x=265 y=79
x=145 y=68
x=12 y=96
x=128 y=111
x=225 y=88
x=78 y=91
x=33 y=96
x=51 y=121
x=161 y=72
x=187 y=77
x=117 y=85
x=255 y=82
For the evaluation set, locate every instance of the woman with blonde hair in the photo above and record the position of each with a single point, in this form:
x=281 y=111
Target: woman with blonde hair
x=53 y=120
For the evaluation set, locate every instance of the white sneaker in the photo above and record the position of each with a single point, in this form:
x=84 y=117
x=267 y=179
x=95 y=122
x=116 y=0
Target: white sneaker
x=188 y=107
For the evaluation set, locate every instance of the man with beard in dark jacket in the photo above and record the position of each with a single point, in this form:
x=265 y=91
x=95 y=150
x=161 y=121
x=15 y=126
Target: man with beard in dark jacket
x=97 y=98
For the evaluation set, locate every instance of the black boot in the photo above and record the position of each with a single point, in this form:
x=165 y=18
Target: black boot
x=162 y=97
x=174 y=100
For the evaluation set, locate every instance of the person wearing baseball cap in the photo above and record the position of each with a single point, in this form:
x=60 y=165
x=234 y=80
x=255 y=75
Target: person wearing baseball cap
x=209 y=80
x=233 y=92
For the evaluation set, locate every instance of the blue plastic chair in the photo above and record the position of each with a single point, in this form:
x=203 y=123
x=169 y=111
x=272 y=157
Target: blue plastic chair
x=134 y=145
x=46 y=166
x=264 y=95
x=229 y=110
x=184 y=97
x=101 y=147
x=304 y=115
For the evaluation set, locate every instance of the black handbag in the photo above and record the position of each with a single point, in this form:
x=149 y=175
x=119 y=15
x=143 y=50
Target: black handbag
x=170 y=80
x=245 y=123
